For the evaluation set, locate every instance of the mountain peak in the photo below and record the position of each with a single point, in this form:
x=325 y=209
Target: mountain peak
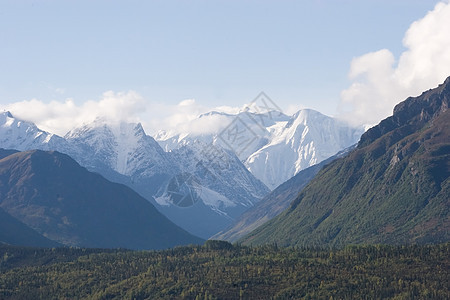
x=446 y=83
x=7 y=114
x=213 y=113
x=4 y=116
x=125 y=147
x=305 y=115
x=22 y=135
x=39 y=159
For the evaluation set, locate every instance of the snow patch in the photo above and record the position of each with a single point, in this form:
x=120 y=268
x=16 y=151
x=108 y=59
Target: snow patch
x=214 y=199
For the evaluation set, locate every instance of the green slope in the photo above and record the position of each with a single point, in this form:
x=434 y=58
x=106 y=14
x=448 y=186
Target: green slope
x=394 y=188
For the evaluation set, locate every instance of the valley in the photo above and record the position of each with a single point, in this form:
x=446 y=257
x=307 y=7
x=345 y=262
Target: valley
x=369 y=222
x=225 y=149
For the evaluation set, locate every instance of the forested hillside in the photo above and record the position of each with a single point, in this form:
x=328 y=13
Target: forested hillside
x=219 y=270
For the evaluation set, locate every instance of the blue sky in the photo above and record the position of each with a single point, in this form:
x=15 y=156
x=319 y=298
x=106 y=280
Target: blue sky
x=216 y=52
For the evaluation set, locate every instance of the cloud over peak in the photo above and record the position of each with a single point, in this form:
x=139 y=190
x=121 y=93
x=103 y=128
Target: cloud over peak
x=60 y=117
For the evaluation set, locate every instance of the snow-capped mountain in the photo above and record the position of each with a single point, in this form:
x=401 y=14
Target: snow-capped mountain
x=243 y=133
x=124 y=147
x=273 y=146
x=199 y=187
x=22 y=135
x=308 y=138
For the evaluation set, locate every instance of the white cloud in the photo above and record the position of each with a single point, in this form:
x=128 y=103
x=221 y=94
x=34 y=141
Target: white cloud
x=171 y=117
x=293 y=108
x=59 y=117
x=380 y=82
x=229 y=109
x=183 y=118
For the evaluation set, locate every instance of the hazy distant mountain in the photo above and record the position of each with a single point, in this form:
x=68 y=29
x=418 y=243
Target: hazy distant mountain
x=219 y=187
x=51 y=193
x=393 y=188
x=273 y=146
x=274 y=203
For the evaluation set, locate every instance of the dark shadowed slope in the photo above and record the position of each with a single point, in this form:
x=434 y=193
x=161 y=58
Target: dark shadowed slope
x=51 y=193
x=14 y=232
x=394 y=188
